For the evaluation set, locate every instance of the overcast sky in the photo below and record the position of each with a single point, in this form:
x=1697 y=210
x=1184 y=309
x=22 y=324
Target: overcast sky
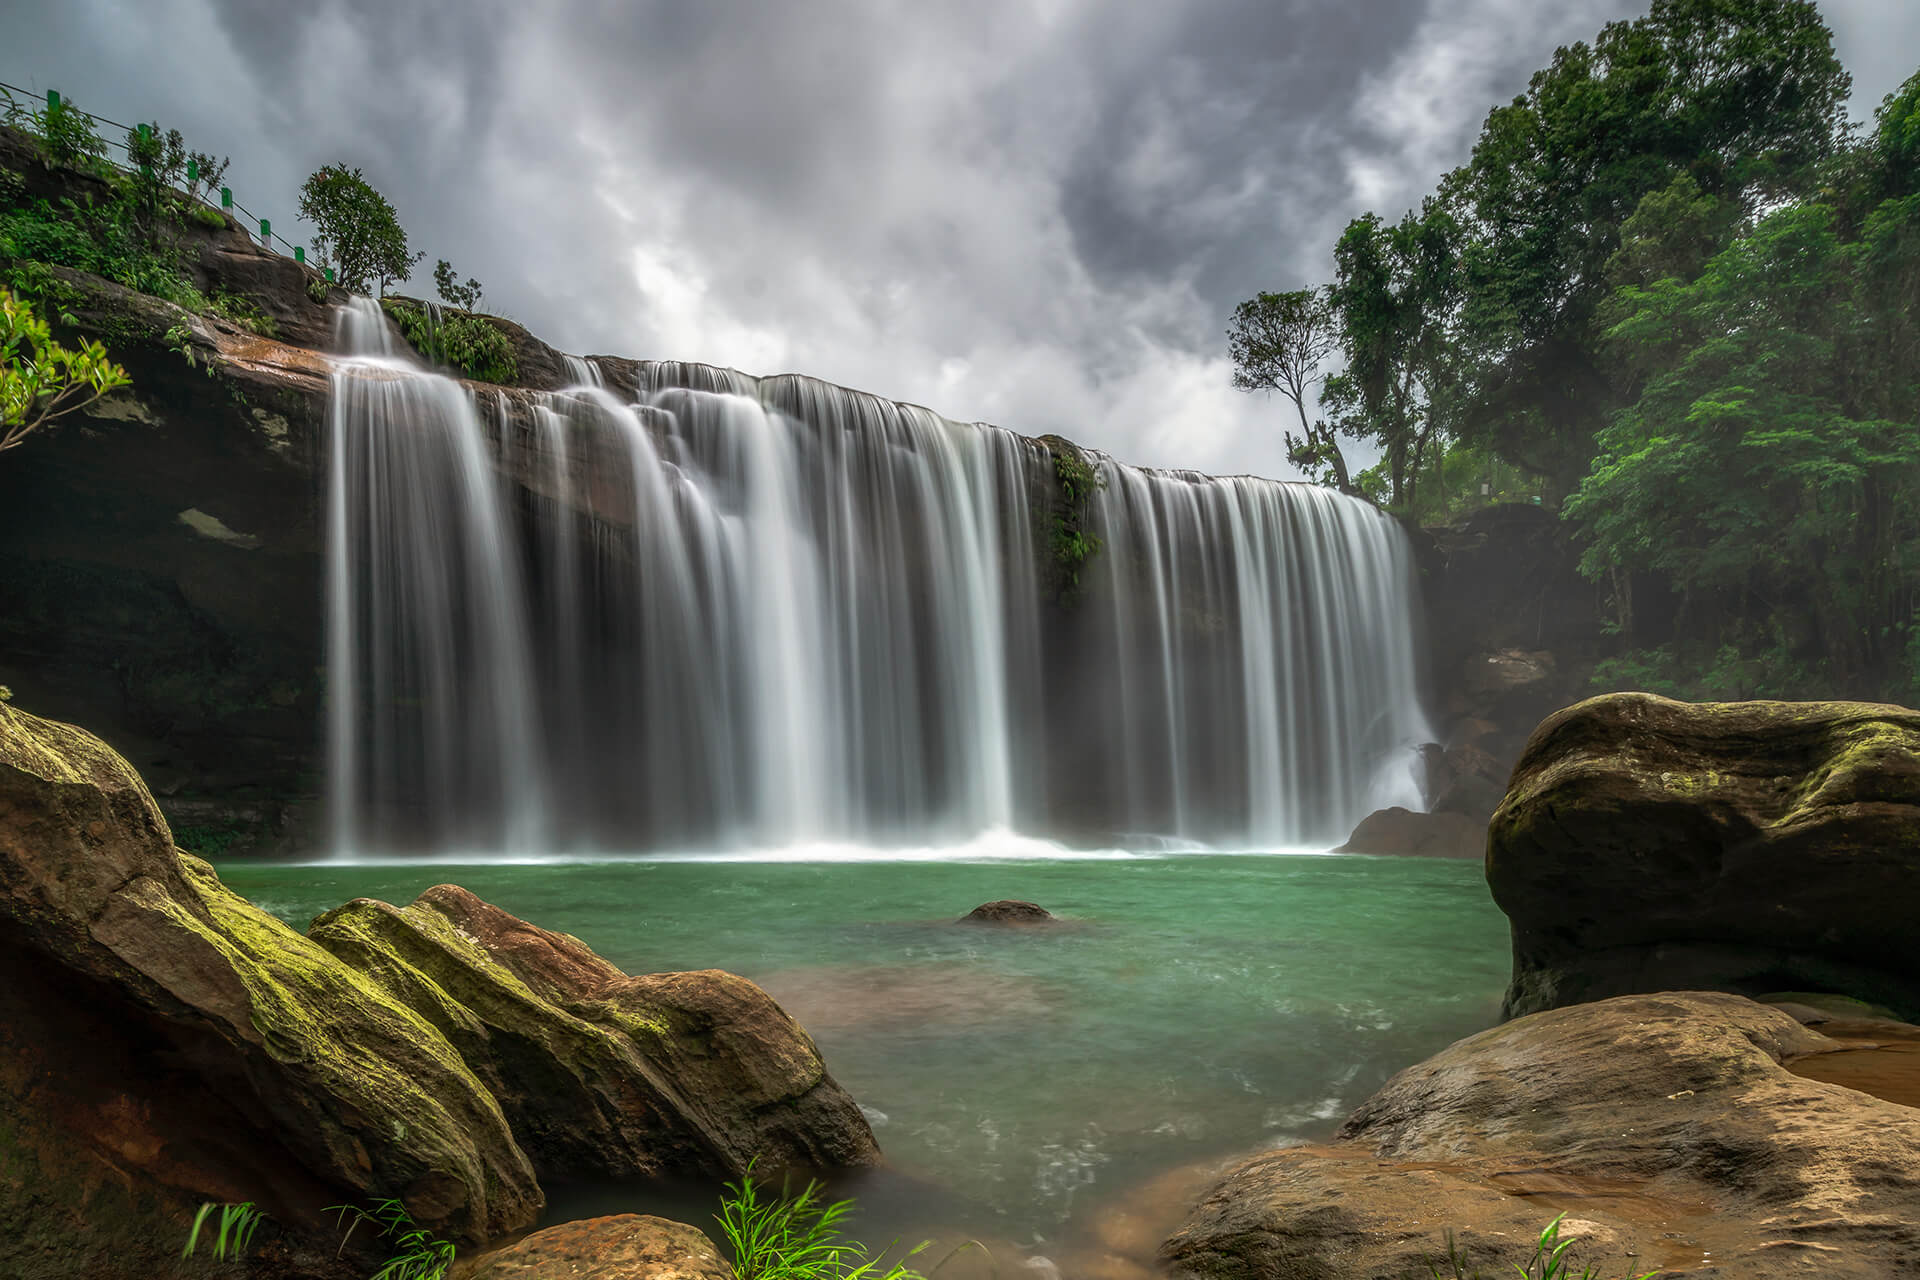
x=1037 y=213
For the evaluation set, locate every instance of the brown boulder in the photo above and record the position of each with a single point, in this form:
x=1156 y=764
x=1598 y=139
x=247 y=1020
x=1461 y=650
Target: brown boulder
x=1679 y=1131
x=163 y=1042
x=1404 y=833
x=626 y=1246
x=600 y=1074
x=1009 y=911
x=1647 y=844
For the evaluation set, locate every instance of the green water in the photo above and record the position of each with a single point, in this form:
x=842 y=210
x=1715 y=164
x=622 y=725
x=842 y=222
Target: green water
x=1194 y=1005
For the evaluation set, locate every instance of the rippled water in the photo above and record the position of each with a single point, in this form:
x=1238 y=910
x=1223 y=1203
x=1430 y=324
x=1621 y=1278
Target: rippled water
x=1191 y=1006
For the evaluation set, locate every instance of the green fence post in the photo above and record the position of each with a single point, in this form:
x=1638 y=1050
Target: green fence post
x=266 y=233
x=300 y=254
x=193 y=170
x=226 y=197
x=53 y=99
x=329 y=275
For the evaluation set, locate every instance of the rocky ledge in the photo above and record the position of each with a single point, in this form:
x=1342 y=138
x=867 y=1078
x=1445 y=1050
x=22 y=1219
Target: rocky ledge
x=1690 y=1133
x=165 y=1043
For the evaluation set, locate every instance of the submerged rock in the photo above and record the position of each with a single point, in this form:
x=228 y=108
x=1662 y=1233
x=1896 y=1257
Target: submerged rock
x=1009 y=911
x=1678 y=1130
x=626 y=1246
x=601 y=1074
x=164 y=1042
x=1647 y=844
x=1404 y=833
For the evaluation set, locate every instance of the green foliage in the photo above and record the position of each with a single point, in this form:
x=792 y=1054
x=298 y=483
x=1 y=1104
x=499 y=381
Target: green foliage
x=472 y=344
x=1743 y=95
x=234 y=1225
x=244 y=312
x=1278 y=343
x=455 y=294
x=211 y=219
x=1725 y=675
x=67 y=139
x=1072 y=543
x=1550 y=1261
x=1395 y=293
x=1895 y=147
x=417 y=1255
x=1769 y=468
x=798 y=1238
x=357 y=232
x=40 y=380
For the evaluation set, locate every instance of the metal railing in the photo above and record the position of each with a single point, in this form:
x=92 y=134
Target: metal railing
x=25 y=102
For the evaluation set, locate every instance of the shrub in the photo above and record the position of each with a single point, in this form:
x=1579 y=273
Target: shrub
x=458 y=339
x=40 y=380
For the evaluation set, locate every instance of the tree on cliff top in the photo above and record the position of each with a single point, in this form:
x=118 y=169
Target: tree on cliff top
x=40 y=380
x=1278 y=342
x=357 y=232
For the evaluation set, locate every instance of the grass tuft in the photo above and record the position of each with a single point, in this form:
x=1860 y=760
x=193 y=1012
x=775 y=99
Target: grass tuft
x=234 y=1225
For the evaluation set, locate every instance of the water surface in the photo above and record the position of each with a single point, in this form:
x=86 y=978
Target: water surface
x=1189 y=1007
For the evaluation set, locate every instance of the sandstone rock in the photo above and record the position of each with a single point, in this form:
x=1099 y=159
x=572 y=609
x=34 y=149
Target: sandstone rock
x=1008 y=911
x=1669 y=1126
x=627 y=1246
x=1405 y=833
x=163 y=1039
x=600 y=1074
x=1647 y=844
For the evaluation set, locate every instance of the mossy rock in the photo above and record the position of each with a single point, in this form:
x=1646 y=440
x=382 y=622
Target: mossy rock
x=601 y=1074
x=1646 y=844
x=199 y=1049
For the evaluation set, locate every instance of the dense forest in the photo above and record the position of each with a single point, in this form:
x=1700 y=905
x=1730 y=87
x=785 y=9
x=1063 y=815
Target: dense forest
x=1674 y=294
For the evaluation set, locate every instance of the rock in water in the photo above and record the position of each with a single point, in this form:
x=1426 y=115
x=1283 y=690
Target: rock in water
x=1670 y=1127
x=599 y=1073
x=1649 y=845
x=1404 y=833
x=1008 y=911
x=626 y=1246
x=164 y=1042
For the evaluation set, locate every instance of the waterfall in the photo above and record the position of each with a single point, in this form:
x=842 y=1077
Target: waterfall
x=678 y=607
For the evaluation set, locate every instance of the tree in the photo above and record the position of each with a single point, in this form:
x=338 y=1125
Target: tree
x=1278 y=342
x=40 y=380
x=356 y=230
x=1769 y=468
x=1396 y=295
x=1745 y=96
x=452 y=292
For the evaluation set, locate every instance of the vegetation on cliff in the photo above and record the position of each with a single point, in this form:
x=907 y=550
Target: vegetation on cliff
x=1674 y=290
x=40 y=380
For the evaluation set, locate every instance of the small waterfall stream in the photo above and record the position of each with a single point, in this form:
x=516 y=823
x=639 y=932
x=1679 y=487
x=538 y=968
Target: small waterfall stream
x=684 y=608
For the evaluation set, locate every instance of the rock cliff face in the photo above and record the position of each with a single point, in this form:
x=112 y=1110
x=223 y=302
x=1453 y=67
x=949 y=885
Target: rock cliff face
x=1648 y=845
x=163 y=1043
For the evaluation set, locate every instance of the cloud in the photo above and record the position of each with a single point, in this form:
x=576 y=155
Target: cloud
x=1038 y=214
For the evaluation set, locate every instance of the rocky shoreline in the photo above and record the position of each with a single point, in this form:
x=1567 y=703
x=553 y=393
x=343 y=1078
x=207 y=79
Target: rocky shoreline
x=164 y=1043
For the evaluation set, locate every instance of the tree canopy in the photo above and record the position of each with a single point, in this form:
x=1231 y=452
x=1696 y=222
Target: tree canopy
x=356 y=231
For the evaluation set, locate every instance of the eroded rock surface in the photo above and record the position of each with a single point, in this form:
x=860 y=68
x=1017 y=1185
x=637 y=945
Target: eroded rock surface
x=167 y=1042
x=1650 y=845
x=1668 y=1126
x=627 y=1246
x=1009 y=911
x=602 y=1074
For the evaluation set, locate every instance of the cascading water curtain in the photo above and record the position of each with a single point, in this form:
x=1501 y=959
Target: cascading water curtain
x=703 y=610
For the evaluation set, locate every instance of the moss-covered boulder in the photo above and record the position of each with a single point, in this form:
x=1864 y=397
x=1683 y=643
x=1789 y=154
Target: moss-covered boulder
x=601 y=1074
x=1649 y=845
x=164 y=1042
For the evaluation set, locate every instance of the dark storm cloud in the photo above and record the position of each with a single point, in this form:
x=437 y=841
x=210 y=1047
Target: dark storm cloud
x=1036 y=212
